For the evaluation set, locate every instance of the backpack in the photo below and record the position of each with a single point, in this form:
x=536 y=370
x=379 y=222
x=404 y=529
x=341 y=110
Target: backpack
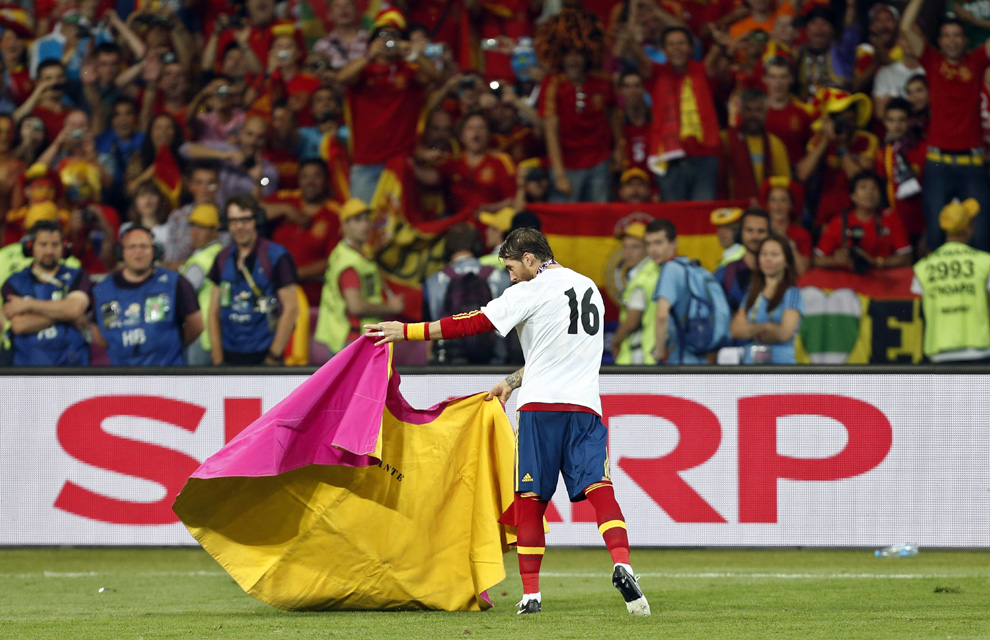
x=704 y=326
x=467 y=292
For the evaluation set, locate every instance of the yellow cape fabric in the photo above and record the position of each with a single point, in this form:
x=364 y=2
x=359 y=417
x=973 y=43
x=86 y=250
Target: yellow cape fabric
x=417 y=531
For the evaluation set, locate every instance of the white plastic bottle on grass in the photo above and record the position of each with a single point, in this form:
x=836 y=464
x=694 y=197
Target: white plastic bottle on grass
x=905 y=550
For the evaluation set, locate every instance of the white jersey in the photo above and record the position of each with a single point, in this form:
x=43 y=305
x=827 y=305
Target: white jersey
x=559 y=316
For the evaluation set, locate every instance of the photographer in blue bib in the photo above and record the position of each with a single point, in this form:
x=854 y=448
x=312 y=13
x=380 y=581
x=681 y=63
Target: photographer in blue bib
x=145 y=315
x=46 y=303
x=253 y=308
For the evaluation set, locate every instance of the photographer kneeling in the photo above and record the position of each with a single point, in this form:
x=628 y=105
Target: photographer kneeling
x=865 y=236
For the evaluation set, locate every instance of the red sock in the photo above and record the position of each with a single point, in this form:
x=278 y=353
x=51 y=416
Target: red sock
x=531 y=541
x=611 y=524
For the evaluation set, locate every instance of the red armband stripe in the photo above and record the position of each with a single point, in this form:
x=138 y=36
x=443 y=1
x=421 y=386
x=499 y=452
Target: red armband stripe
x=465 y=324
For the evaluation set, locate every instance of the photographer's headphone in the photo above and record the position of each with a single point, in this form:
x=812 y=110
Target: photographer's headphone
x=249 y=202
x=118 y=249
x=27 y=242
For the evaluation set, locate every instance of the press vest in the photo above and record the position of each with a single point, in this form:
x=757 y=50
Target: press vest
x=333 y=325
x=954 y=281
x=203 y=258
x=140 y=324
x=244 y=314
x=646 y=281
x=61 y=344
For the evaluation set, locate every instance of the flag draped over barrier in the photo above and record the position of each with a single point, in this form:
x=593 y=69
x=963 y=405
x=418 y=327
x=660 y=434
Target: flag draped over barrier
x=345 y=497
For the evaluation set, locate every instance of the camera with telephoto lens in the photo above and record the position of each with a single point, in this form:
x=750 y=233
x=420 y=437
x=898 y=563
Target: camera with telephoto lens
x=861 y=263
x=391 y=44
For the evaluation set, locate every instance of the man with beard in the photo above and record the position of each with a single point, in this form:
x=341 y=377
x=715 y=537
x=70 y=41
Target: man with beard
x=881 y=47
x=734 y=277
x=307 y=223
x=46 y=304
x=751 y=153
x=824 y=62
x=145 y=315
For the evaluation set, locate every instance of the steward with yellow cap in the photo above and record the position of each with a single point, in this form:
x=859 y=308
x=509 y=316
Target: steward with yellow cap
x=353 y=293
x=953 y=281
x=204 y=225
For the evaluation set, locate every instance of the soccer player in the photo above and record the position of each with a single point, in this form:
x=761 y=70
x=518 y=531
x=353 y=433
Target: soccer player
x=558 y=314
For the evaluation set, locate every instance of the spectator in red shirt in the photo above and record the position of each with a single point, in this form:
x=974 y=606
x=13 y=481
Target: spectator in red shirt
x=684 y=141
x=784 y=199
x=260 y=17
x=636 y=120
x=166 y=90
x=577 y=106
x=901 y=162
x=478 y=179
x=955 y=166
x=866 y=236
x=307 y=224
x=384 y=98
x=787 y=117
x=284 y=147
x=48 y=100
x=839 y=150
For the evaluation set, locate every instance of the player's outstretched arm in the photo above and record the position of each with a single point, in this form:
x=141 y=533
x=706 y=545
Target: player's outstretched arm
x=503 y=388
x=456 y=326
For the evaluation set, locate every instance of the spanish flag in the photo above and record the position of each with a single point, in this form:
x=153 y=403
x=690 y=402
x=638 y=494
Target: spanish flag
x=345 y=497
x=583 y=237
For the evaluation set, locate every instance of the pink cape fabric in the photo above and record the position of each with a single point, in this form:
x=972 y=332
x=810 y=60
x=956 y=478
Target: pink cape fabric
x=343 y=496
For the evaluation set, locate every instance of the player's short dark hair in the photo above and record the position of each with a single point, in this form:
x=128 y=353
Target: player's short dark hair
x=675 y=29
x=520 y=241
x=662 y=224
x=46 y=225
x=866 y=174
x=461 y=237
x=755 y=212
x=898 y=104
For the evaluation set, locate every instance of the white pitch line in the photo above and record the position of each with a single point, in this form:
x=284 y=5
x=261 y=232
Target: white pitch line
x=546 y=574
x=96 y=574
x=770 y=576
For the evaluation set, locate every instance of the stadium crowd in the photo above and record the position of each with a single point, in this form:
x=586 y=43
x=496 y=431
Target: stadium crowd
x=197 y=182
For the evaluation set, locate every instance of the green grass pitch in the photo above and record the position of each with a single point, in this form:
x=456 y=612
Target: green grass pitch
x=132 y=594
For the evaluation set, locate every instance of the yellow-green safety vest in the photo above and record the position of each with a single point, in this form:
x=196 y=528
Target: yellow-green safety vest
x=332 y=324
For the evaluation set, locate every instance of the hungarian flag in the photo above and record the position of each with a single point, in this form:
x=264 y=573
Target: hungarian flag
x=838 y=326
x=345 y=497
